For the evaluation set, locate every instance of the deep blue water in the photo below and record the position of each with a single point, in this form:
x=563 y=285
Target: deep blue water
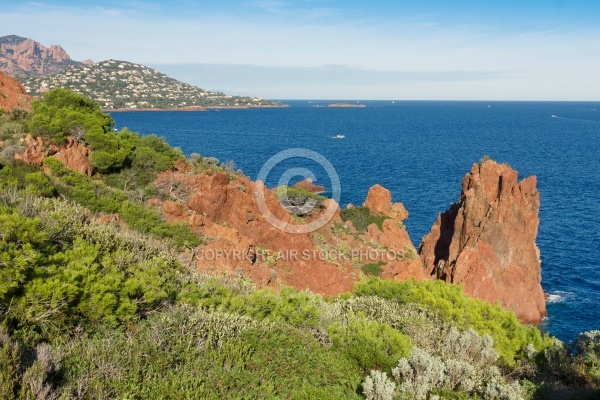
x=421 y=151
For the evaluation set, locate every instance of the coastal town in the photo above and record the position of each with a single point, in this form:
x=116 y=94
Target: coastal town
x=125 y=85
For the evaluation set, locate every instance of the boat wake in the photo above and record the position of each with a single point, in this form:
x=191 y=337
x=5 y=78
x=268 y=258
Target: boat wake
x=574 y=119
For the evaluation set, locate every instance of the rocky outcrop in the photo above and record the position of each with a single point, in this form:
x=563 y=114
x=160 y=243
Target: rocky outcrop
x=36 y=151
x=13 y=94
x=486 y=241
x=73 y=155
x=23 y=57
x=308 y=184
x=224 y=210
x=379 y=201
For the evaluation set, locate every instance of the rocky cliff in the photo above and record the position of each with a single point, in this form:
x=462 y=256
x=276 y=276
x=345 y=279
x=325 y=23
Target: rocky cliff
x=486 y=241
x=22 y=57
x=12 y=94
x=225 y=210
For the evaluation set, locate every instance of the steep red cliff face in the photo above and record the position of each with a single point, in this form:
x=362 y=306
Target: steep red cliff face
x=486 y=241
x=25 y=57
x=13 y=94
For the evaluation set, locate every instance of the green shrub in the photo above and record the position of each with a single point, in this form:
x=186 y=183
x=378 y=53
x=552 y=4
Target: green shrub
x=449 y=301
x=373 y=269
x=99 y=197
x=64 y=113
x=38 y=182
x=362 y=217
x=182 y=353
x=385 y=345
x=289 y=306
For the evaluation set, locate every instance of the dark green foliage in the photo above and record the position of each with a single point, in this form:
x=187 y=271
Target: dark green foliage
x=38 y=182
x=361 y=218
x=373 y=269
x=14 y=175
x=449 y=301
x=64 y=113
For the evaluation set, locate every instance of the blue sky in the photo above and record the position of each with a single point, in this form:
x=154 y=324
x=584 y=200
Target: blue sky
x=338 y=49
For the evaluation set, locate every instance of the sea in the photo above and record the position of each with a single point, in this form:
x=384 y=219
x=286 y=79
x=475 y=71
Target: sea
x=420 y=151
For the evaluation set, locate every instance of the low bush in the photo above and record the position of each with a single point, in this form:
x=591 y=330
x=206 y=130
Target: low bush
x=362 y=217
x=182 y=353
x=99 y=197
x=449 y=301
x=373 y=269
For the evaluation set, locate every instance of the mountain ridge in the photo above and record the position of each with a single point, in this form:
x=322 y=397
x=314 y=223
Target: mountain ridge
x=114 y=84
x=23 y=57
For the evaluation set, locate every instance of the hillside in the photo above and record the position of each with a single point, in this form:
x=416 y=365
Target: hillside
x=121 y=84
x=102 y=297
x=22 y=57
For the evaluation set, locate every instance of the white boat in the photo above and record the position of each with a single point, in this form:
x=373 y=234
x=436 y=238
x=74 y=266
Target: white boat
x=338 y=137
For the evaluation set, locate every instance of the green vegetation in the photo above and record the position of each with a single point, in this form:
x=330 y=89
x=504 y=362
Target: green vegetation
x=64 y=113
x=90 y=310
x=298 y=201
x=362 y=217
x=373 y=269
x=121 y=84
x=510 y=336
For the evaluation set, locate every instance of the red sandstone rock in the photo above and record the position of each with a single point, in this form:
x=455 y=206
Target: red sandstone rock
x=13 y=94
x=308 y=184
x=75 y=156
x=26 y=57
x=226 y=213
x=379 y=199
x=35 y=152
x=486 y=241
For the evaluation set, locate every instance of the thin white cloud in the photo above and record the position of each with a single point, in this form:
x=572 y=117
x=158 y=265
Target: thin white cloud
x=535 y=64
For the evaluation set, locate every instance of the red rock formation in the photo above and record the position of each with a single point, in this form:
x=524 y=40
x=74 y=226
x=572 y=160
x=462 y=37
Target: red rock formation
x=35 y=152
x=308 y=184
x=73 y=155
x=486 y=241
x=25 y=57
x=379 y=201
x=225 y=211
x=13 y=94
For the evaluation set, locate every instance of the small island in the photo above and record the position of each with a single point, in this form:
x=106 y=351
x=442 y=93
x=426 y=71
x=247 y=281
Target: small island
x=346 y=105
